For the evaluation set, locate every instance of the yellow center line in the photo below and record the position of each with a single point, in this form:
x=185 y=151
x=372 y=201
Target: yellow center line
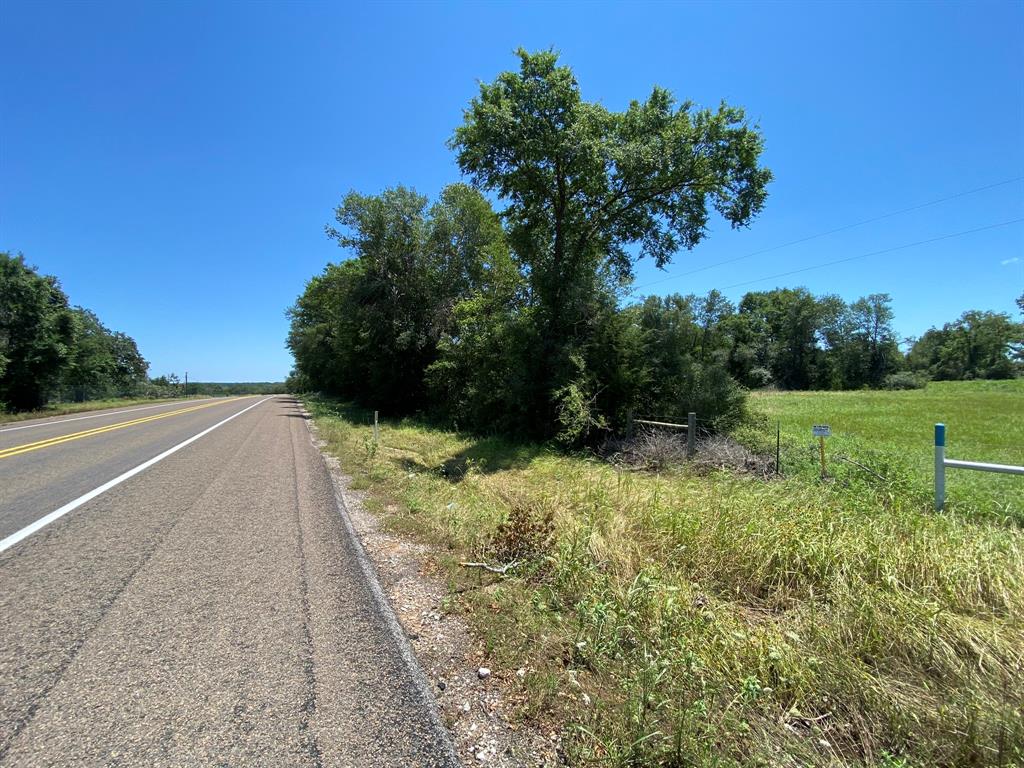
x=39 y=444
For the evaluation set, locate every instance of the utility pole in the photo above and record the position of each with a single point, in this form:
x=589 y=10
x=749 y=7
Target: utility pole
x=186 y=385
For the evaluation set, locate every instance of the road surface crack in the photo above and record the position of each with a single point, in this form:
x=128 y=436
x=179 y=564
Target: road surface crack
x=308 y=708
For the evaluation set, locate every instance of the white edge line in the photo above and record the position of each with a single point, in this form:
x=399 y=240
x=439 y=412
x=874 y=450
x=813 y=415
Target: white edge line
x=106 y=413
x=42 y=522
x=418 y=677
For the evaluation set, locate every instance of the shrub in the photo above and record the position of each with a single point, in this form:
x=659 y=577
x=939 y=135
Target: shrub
x=905 y=380
x=577 y=417
x=759 y=378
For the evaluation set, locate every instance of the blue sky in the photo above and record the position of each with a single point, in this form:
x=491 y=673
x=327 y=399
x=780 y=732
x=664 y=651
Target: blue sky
x=175 y=163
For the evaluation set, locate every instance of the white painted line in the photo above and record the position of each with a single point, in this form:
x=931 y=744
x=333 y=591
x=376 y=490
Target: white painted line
x=106 y=413
x=42 y=522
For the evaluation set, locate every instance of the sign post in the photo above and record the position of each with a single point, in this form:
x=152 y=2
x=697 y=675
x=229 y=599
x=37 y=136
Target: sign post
x=821 y=431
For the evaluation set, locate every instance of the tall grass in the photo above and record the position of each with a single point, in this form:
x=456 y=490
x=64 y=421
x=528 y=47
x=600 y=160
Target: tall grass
x=677 y=619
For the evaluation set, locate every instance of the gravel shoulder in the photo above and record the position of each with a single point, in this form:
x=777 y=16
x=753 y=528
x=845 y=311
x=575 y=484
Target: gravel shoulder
x=475 y=707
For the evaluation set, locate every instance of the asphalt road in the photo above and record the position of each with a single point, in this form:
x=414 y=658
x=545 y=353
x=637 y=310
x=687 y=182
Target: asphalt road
x=211 y=609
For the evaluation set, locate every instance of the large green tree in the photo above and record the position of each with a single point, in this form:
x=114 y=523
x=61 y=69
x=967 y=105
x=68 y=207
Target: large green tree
x=37 y=331
x=91 y=362
x=978 y=345
x=370 y=326
x=782 y=329
x=872 y=350
x=102 y=363
x=587 y=187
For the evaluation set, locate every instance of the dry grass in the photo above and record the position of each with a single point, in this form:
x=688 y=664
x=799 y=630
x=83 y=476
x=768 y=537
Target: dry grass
x=686 y=619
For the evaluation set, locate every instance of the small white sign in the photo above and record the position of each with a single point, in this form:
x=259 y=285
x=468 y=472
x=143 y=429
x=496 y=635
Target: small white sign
x=821 y=430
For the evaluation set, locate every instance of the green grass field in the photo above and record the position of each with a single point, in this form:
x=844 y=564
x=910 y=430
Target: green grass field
x=717 y=619
x=984 y=422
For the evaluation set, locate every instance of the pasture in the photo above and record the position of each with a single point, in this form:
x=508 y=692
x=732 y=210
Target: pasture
x=894 y=431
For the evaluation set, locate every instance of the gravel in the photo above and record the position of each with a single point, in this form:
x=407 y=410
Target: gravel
x=478 y=716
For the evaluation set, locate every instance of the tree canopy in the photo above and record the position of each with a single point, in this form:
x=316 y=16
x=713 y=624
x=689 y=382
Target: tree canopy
x=515 y=321
x=48 y=348
x=585 y=187
x=978 y=345
x=374 y=323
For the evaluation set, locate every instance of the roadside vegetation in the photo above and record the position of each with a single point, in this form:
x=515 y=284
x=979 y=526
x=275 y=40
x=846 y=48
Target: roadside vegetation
x=673 y=613
x=521 y=321
x=511 y=323
x=51 y=350
x=695 y=616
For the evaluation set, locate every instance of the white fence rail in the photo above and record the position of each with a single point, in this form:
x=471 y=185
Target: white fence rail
x=941 y=462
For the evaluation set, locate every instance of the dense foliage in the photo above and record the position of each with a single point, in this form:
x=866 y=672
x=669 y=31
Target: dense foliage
x=979 y=345
x=517 y=327
x=372 y=325
x=585 y=189
x=50 y=349
x=515 y=322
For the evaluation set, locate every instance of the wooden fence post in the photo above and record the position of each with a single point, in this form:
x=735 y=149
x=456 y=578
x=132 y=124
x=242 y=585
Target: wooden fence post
x=691 y=434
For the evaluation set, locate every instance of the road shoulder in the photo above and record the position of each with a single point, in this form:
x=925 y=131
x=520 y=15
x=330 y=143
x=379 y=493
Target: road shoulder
x=475 y=710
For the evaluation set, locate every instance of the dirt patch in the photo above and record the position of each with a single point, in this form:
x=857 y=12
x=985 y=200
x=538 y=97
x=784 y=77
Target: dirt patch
x=472 y=695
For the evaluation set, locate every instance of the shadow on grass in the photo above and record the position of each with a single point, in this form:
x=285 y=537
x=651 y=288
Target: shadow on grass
x=486 y=455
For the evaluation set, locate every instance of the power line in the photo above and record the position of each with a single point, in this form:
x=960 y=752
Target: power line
x=831 y=232
x=875 y=253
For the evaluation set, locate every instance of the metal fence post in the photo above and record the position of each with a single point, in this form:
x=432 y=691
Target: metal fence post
x=691 y=433
x=376 y=429
x=940 y=466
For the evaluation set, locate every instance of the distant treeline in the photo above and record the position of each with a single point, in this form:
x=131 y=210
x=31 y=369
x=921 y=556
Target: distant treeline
x=175 y=387
x=51 y=350
x=518 y=321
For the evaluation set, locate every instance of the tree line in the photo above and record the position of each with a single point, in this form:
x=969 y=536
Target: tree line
x=977 y=345
x=517 y=321
x=49 y=348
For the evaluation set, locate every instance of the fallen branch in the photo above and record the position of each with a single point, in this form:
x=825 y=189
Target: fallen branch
x=500 y=569
x=861 y=466
x=808 y=721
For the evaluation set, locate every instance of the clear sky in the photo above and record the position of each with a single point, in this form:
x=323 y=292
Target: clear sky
x=174 y=163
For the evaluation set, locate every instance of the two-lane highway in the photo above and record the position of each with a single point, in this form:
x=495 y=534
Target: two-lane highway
x=178 y=587
x=46 y=464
